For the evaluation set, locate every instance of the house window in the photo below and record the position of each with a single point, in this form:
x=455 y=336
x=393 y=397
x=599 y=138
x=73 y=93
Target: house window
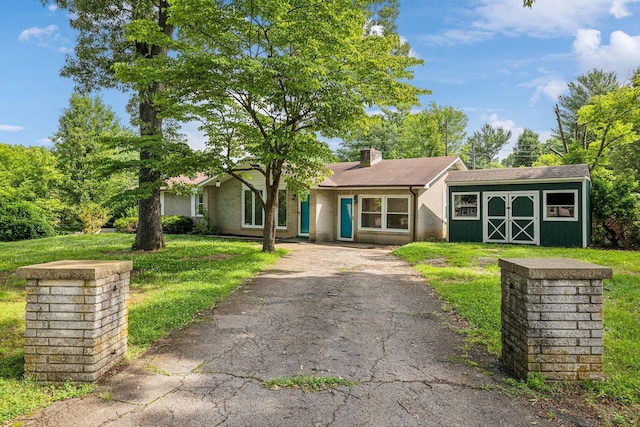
x=465 y=206
x=253 y=214
x=561 y=205
x=199 y=204
x=281 y=220
x=384 y=213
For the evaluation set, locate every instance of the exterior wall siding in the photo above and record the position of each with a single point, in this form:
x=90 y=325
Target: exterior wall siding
x=323 y=216
x=431 y=225
x=225 y=210
x=552 y=233
x=176 y=205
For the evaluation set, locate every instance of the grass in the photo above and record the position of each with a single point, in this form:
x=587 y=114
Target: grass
x=307 y=383
x=467 y=277
x=169 y=288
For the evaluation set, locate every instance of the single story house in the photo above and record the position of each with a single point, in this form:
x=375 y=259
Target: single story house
x=370 y=201
x=404 y=200
x=548 y=206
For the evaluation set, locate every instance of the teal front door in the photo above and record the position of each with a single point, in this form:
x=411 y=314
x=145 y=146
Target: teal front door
x=346 y=219
x=304 y=217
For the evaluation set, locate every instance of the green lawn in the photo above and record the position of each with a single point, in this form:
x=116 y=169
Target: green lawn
x=168 y=289
x=467 y=277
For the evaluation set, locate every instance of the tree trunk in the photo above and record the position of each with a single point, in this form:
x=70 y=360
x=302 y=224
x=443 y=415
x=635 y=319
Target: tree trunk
x=149 y=236
x=270 y=209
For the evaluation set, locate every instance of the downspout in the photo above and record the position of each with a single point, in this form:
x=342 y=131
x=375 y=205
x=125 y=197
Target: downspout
x=415 y=214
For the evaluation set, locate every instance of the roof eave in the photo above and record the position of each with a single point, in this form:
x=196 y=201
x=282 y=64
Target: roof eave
x=519 y=181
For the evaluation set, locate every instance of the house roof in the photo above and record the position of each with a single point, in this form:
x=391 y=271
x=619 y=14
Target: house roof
x=183 y=179
x=390 y=173
x=546 y=173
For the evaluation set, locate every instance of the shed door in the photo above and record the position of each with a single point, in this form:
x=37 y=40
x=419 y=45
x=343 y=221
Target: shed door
x=511 y=217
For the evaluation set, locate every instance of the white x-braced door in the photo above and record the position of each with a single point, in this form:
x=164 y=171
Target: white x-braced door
x=511 y=217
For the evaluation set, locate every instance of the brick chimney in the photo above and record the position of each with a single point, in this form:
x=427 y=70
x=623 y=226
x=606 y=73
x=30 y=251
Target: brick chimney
x=369 y=157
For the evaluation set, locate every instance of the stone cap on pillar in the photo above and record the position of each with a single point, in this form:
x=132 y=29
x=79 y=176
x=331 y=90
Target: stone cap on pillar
x=555 y=268
x=74 y=270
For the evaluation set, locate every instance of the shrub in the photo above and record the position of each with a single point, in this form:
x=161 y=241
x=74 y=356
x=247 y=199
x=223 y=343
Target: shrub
x=93 y=217
x=177 y=224
x=126 y=225
x=20 y=220
x=203 y=226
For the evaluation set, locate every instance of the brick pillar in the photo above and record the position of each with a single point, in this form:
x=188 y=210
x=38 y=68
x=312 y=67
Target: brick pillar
x=552 y=317
x=76 y=319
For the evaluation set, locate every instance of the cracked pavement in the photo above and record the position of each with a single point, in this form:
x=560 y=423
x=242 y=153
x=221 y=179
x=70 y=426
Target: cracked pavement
x=352 y=312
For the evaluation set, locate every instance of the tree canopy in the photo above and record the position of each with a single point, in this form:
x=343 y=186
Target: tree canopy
x=100 y=44
x=483 y=146
x=526 y=151
x=266 y=77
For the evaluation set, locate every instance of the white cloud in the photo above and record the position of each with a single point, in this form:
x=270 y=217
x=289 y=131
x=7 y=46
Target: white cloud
x=456 y=36
x=11 y=128
x=52 y=8
x=547 y=84
x=38 y=33
x=44 y=141
x=621 y=55
x=547 y=19
x=48 y=37
x=496 y=122
x=619 y=9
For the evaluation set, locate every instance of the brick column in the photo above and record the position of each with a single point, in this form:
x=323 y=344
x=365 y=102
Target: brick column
x=76 y=319
x=552 y=317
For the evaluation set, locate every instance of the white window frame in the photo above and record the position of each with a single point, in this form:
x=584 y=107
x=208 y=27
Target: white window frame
x=384 y=212
x=253 y=198
x=453 y=206
x=195 y=203
x=576 y=205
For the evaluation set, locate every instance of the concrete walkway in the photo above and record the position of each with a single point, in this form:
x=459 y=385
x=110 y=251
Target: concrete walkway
x=355 y=313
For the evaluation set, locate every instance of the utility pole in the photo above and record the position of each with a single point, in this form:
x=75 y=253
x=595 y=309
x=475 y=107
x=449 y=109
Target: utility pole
x=473 y=154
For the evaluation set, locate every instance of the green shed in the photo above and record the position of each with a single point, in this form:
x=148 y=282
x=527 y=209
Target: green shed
x=547 y=206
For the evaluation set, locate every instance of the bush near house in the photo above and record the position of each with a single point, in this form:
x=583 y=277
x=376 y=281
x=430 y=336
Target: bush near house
x=177 y=224
x=126 y=225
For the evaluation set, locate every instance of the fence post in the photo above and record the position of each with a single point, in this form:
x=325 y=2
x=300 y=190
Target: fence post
x=76 y=318
x=552 y=317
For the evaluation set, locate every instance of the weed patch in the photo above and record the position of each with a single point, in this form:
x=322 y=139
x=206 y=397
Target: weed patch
x=307 y=383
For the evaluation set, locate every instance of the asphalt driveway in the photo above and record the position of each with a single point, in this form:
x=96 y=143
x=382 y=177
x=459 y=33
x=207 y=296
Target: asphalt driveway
x=352 y=312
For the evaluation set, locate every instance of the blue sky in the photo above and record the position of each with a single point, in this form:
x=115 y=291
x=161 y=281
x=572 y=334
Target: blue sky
x=498 y=62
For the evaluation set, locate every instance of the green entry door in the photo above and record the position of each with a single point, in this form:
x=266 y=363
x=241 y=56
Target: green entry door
x=345 y=228
x=511 y=217
x=304 y=217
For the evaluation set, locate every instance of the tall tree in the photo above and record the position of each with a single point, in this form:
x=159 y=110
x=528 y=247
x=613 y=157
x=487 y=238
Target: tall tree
x=380 y=131
x=29 y=174
x=435 y=131
x=100 y=44
x=526 y=151
x=612 y=120
x=594 y=83
x=482 y=148
x=266 y=76
x=81 y=149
